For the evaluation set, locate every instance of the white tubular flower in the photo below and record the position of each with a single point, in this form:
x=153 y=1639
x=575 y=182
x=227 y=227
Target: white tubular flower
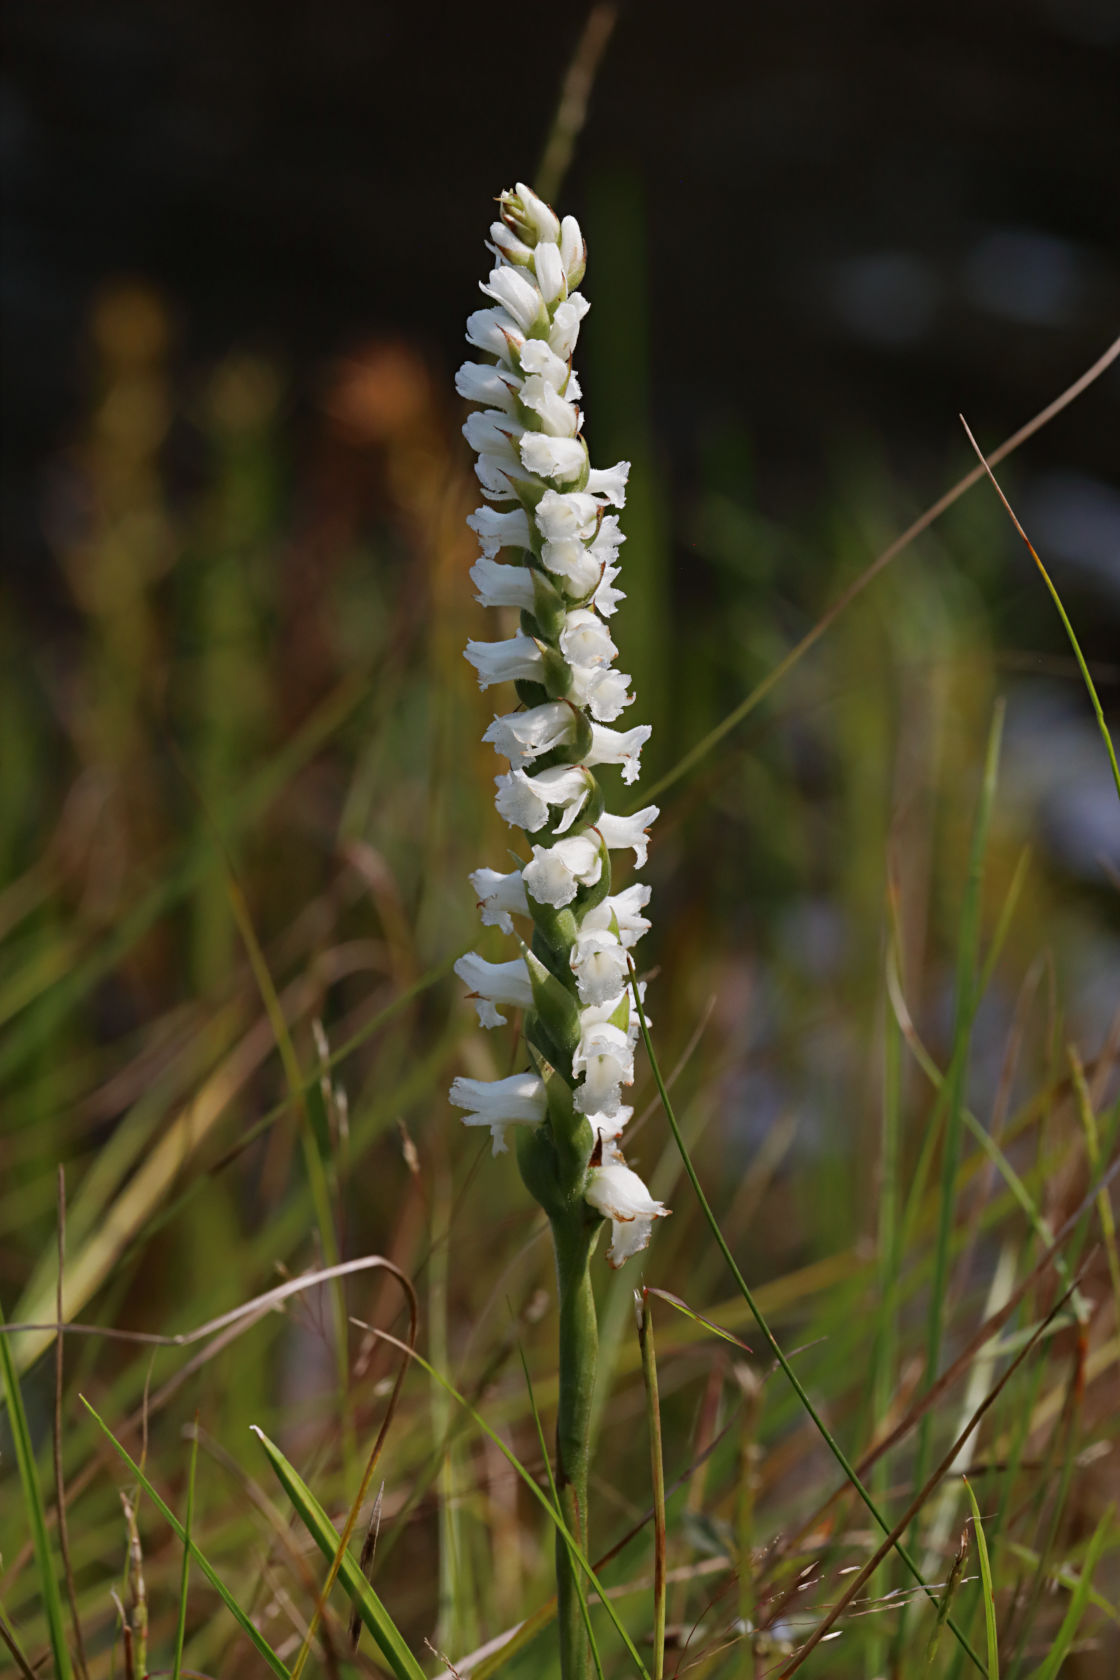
x=494 y=432
x=561 y=458
x=574 y=514
x=602 y=691
x=530 y=215
x=557 y=417
x=498 y=1103
x=537 y=358
x=619 y=832
x=620 y=1196
x=502 y=586
x=599 y=964
x=605 y=1057
x=557 y=872
x=490 y=984
x=496 y=332
x=565 y=325
x=610 y=483
x=617 y=746
x=573 y=251
x=525 y=801
x=523 y=736
x=585 y=639
x=500 y=897
x=548 y=503
x=496 y=530
x=518 y=658
x=624 y=909
x=482 y=382
x=548 y=266
x=517 y=296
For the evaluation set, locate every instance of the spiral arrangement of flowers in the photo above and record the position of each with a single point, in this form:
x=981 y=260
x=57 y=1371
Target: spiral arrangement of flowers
x=546 y=513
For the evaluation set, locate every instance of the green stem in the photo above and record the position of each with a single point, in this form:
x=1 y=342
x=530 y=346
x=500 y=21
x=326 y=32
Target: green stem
x=574 y=1235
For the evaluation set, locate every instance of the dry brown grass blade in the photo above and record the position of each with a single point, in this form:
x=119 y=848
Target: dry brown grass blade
x=864 y=1575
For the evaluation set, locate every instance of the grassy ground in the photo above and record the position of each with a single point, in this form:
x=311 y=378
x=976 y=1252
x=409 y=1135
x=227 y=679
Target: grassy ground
x=243 y=791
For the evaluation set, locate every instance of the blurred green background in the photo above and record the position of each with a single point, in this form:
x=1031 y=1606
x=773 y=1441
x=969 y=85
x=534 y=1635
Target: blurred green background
x=241 y=244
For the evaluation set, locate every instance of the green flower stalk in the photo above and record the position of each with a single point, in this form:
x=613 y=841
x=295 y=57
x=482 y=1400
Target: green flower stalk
x=546 y=513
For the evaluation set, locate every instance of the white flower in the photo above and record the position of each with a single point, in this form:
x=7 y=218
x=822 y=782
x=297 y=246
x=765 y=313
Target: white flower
x=519 y=658
x=625 y=909
x=608 y=1128
x=562 y=458
x=500 y=530
x=531 y=212
x=602 y=690
x=524 y=801
x=549 y=267
x=605 y=1057
x=573 y=561
x=557 y=872
x=558 y=418
x=620 y=1196
x=566 y=514
x=490 y=431
x=498 y=1103
x=490 y=984
x=617 y=746
x=564 y=330
x=573 y=251
x=517 y=296
x=619 y=832
x=496 y=332
x=498 y=477
x=610 y=483
x=585 y=639
x=499 y=897
x=536 y=357
x=522 y=736
x=507 y=245
x=482 y=382
x=502 y=586
x=606 y=598
x=599 y=964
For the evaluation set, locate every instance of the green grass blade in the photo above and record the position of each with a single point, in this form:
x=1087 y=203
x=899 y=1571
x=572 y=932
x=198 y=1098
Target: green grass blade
x=36 y=1515
x=825 y=1433
x=184 y=1579
x=1079 y=1602
x=211 y=1574
x=374 y=1615
x=986 y=1584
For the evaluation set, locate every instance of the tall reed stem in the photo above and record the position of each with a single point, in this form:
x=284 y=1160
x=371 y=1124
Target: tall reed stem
x=574 y=1237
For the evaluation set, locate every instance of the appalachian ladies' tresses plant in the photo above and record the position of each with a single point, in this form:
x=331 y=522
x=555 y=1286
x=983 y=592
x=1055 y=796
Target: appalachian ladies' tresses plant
x=546 y=512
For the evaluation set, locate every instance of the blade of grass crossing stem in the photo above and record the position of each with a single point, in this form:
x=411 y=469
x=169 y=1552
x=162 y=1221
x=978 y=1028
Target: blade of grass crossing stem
x=1079 y=1602
x=374 y=1615
x=1057 y=600
x=827 y=1437
x=36 y=1515
x=555 y=1492
x=542 y=1499
x=264 y=1649
x=657 y=1478
x=947 y=1598
x=184 y=1578
x=985 y=1584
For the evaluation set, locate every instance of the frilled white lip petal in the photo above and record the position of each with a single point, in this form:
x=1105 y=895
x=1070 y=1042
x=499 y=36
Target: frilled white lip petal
x=524 y=801
x=558 y=418
x=610 y=483
x=536 y=357
x=500 y=530
x=557 y=872
x=498 y=1103
x=619 y=746
x=605 y=693
x=519 y=658
x=523 y=736
x=570 y=513
x=623 y=910
x=502 y=586
x=585 y=639
x=600 y=965
x=619 y=832
x=499 y=897
x=561 y=458
x=620 y=1196
x=491 y=984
